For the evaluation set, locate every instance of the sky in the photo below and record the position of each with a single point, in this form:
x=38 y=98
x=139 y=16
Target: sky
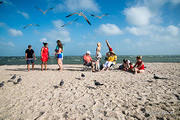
x=133 y=27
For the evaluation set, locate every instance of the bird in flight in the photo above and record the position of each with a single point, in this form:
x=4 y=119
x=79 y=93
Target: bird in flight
x=28 y=25
x=99 y=16
x=70 y=22
x=44 y=12
x=80 y=14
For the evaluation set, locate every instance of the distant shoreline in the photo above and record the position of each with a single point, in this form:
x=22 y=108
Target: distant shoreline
x=79 y=59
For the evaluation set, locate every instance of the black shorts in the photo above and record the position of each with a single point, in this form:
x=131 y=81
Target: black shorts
x=88 y=64
x=29 y=61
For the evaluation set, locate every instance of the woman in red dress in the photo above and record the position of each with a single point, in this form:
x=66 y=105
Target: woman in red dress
x=44 y=56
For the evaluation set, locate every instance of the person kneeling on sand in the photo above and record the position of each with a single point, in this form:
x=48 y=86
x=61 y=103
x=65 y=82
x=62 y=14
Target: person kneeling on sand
x=30 y=57
x=111 y=60
x=87 y=59
x=139 y=66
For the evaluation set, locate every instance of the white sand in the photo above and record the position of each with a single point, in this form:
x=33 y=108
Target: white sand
x=123 y=96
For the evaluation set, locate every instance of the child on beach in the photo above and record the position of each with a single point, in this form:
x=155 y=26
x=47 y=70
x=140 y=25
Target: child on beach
x=59 y=54
x=44 y=56
x=98 y=56
x=139 y=66
x=131 y=66
x=30 y=57
x=126 y=65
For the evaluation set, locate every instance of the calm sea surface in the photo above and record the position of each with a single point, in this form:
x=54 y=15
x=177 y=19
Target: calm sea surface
x=78 y=59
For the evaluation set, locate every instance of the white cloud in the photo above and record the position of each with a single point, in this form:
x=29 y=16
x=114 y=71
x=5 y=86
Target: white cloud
x=139 y=16
x=128 y=41
x=2 y=24
x=15 y=32
x=26 y=15
x=58 y=33
x=58 y=23
x=137 y=31
x=175 y=1
x=109 y=29
x=173 y=30
x=153 y=30
x=8 y=2
x=75 y=5
x=43 y=40
x=156 y=33
x=9 y=44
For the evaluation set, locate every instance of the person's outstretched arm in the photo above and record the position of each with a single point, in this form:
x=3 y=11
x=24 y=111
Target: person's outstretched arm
x=108 y=44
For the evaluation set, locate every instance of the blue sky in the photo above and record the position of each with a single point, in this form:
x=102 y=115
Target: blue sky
x=133 y=27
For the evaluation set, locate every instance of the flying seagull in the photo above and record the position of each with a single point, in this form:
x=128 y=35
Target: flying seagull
x=97 y=83
x=156 y=77
x=70 y=22
x=28 y=25
x=99 y=16
x=44 y=12
x=80 y=14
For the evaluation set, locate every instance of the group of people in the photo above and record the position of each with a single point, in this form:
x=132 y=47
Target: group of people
x=111 y=58
x=137 y=68
x=95 y=65
x=30 y=56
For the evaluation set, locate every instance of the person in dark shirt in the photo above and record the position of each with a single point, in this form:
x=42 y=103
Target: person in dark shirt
x=30 y=57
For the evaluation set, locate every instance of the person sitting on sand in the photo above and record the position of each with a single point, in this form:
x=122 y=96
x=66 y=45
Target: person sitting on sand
x=87 y=59
x=111 y=60
x=59 y=54
x=126 y=65
x=30 y=57
x=131 y=66
x=139 y=66
x=44 y=56
x=98 y=56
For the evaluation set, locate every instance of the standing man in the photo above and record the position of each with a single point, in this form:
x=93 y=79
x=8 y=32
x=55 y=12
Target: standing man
x=30 y=57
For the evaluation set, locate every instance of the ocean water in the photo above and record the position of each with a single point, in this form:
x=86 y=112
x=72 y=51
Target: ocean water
x=19 y=60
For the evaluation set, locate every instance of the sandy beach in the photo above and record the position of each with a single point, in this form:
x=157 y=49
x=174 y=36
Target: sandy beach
x=124 y=96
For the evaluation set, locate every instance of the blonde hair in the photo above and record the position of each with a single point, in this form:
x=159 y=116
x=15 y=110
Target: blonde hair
x=98 y=44
x=139 y=57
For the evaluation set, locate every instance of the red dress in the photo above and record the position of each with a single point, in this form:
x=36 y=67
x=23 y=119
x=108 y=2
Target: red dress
x=142 y=66
x=44 y=54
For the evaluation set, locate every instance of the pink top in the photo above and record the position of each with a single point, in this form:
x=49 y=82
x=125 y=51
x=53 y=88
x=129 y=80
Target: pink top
x=87 y=58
